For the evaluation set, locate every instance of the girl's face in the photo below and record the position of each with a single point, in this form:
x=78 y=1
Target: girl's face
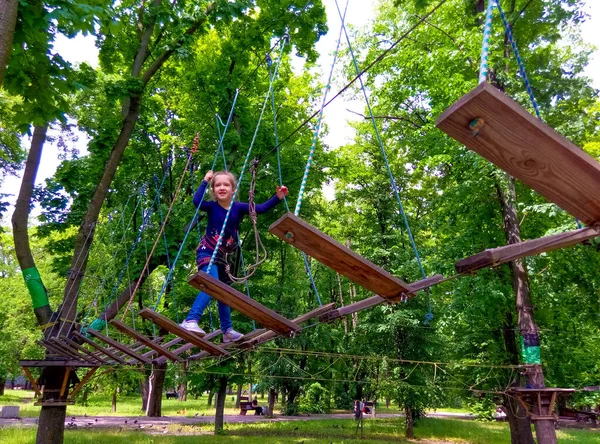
x=223 y=188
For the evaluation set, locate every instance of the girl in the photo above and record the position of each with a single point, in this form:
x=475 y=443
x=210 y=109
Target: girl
x=223 y=185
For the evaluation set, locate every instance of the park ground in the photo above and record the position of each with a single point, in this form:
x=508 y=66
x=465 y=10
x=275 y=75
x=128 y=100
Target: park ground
x=193 y=422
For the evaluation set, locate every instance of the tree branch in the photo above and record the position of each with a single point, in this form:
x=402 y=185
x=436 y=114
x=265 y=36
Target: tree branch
x=405 y=119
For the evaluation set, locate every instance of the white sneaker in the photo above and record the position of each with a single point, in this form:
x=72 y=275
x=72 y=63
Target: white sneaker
x=193 y=326
x=232 y=336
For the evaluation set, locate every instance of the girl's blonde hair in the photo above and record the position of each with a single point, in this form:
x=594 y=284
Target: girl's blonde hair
x=231 y=177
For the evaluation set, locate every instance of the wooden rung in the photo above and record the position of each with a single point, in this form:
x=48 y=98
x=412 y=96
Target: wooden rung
x=187 y=347
x=507 y=253
x=143 y=339
x=172 y=327
x=242 y=303
x=118 y=346
x=526 y=148
x=61 y=350
x=336 y=256
x=101 y=349
x=302 y=318
x=83 y=350
x=229 y=345
x=172 y=342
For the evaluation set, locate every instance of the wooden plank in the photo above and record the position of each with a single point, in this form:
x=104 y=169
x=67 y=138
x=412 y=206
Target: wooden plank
x=172 y=342
x=177 y=330
x=336 y=256
x=63 y=387
x=81 y=349
x=229 y=345
x=33 y=381
x=118 y=346
x=62 y=351
x=527 y=149
x=496 y=256
x=100 y=348
x=242 y=303
x=302 y=318
x=143 y=339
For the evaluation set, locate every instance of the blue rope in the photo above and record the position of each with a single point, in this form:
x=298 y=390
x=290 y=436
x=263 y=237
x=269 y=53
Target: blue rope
x=195 y=218
x=519 y=60
x=276 y=133
x=246 y=160
x=387 y=165
x=318 y=127
x=485 y=48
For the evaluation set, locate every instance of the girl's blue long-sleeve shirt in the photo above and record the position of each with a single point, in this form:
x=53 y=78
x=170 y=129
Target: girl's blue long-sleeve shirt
x=216 y=216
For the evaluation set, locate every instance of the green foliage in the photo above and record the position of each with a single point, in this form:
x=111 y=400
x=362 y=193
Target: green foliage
x=314 y=399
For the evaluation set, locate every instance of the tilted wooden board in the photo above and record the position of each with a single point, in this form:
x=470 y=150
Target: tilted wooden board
x=527 y=149
x=98 y=347
x=500 y=255
x=334 y=255
x=118 y=346
x=172 y=327
x=227 y=345
x=242 y=303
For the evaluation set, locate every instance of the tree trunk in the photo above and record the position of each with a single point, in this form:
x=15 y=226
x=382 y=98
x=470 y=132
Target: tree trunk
x=211 y=394
x=410 y=426
x=51 y=425
x=145 y=390
x=238 y=396
x=2 y=386
x=157 y=380
x=544 y=429
x=8 y=20
x=221 y=396
x=114 y=401
x=41 y=305
x=271 y=401
x=183 y=385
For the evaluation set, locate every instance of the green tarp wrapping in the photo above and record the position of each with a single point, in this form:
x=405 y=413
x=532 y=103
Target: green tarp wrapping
x=531 y=353
x=36 y=288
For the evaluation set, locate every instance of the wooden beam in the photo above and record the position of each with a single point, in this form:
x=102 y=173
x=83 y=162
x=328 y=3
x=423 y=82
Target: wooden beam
x=302 y=318
x=62 y=351
x=242 y=303
x=34 y=384
x=496 y=256
x=85 y=379
x=101 y=349
x=229 y=345
x=376 y=300
x=63 y=388
x=526 y=148
x=143 y=339
x=172 y=342
x=339 y=258
x=177 y=330
x=83 y=350
x=118 y=346
x=54 y=363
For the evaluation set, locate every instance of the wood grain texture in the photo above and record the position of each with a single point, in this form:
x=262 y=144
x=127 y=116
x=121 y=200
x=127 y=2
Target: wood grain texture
x=496 y=256
x=172 y=327
x=57 y=363
x=144 y=340
x=118 y=346
x=528 y=149
x=336 y=256
x=242 y=303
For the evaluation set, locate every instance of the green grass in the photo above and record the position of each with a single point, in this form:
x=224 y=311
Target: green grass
x=431 y=430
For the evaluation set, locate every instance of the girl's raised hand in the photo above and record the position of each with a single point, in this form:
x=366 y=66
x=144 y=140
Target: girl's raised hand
x=282 y=191
x=209 y=175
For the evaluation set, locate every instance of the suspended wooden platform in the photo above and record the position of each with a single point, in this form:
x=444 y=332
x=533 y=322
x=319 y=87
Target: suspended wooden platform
x=147 y=342
x=526 y=148
x=496 y=256
x=539 y=402
x=227 y=345
x=339 y=258
x=118 y=346
x=172 y=327
x=110 y=353
x=242 y=303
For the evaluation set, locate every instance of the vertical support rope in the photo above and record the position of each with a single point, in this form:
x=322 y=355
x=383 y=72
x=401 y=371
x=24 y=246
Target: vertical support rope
x=246 y=160
x=319 y=120
x=195 y=218
x=513 y=44
x=487 y=31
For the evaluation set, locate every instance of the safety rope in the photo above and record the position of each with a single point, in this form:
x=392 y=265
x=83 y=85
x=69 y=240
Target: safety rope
x=246 y=160
x=485 y=47
x=429 y=315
